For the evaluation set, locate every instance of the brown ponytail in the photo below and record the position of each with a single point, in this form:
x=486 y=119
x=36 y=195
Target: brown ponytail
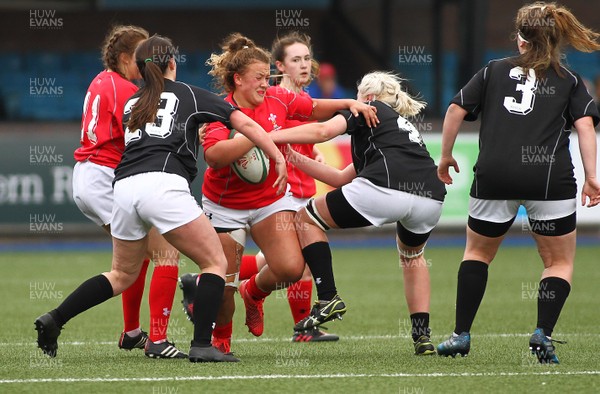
x=238 y=53
x=120 y=39
x=152 y=57
x=547 y=28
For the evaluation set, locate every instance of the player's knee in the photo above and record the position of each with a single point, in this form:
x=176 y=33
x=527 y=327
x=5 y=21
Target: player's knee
x=291 y=272
x=296 y=274
x=544 y=253
x=214 y=261
x=291 y=276
x=121 y=280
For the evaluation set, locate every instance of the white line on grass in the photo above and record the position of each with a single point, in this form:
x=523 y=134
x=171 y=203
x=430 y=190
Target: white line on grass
x=324 y=376
x=345 y=338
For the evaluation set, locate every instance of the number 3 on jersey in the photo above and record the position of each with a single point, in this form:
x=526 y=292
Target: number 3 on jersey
x=163 y=126
x=528 y=87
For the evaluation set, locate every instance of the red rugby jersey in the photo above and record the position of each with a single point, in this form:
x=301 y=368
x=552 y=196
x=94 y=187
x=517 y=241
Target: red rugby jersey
x=102 y=140
x=223 y=186
x=301 y=185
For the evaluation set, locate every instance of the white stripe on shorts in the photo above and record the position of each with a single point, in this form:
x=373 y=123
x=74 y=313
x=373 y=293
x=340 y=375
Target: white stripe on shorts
x=501 y=211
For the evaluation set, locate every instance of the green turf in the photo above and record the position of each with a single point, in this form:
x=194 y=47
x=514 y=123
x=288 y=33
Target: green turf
x=374 y=354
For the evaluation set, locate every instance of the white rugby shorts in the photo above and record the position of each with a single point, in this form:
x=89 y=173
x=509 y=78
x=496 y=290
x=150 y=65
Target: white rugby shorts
x=158 y=199
x=501 y=211
x=381 y=205
x=229 y=218
x=297 y=203
x=93 y=191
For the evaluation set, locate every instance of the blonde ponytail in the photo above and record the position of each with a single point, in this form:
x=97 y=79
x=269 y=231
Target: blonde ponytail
x=387 y=88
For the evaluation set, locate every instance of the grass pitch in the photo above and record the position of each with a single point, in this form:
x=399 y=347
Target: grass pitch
x=374 y=354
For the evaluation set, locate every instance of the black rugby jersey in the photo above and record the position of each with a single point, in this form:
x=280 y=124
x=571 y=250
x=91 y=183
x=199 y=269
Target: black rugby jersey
x=393 y=154
x=170 y=144
x=525 y=127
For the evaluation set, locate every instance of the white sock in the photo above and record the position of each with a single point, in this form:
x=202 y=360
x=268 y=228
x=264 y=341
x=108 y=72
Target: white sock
x=134 y=333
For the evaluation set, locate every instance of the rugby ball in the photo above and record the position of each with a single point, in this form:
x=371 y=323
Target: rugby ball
x=253 y=166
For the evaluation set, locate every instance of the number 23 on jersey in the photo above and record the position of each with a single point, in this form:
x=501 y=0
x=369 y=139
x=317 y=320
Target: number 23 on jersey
x=163 y=126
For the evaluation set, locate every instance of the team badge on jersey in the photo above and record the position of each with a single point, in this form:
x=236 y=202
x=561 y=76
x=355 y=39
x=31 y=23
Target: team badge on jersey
x=273 y=119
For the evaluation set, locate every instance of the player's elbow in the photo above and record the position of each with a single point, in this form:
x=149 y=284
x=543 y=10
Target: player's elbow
x=456 y=110
x=325 y=132
x=336 y=183
x=213 y=160
x=339 y=178
x=343 y=177
x=214 y=164
x=584 y=124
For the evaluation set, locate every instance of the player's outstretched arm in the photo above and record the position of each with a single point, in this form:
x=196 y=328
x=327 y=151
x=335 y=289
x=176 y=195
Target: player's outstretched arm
x=452 y=121
x=587 y=147
x=327 y=174
x=326 y=108
x=311 y=133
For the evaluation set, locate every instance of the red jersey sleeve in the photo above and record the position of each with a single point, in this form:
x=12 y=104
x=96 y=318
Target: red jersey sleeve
x=215 y=132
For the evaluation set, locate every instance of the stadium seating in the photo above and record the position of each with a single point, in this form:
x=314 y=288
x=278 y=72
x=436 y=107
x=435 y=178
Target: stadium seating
x=73 y=71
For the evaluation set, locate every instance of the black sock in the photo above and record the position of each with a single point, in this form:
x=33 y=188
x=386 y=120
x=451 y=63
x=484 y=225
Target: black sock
x=90 y=293
x=420 y=325
x=552 y=294
x=318 y=258
x=472 y=279
x=209 y=294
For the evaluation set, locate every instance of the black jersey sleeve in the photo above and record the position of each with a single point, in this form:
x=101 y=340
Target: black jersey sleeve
x=353 y=122
x=470 y=96
x=211 y=108
x=581 y=103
